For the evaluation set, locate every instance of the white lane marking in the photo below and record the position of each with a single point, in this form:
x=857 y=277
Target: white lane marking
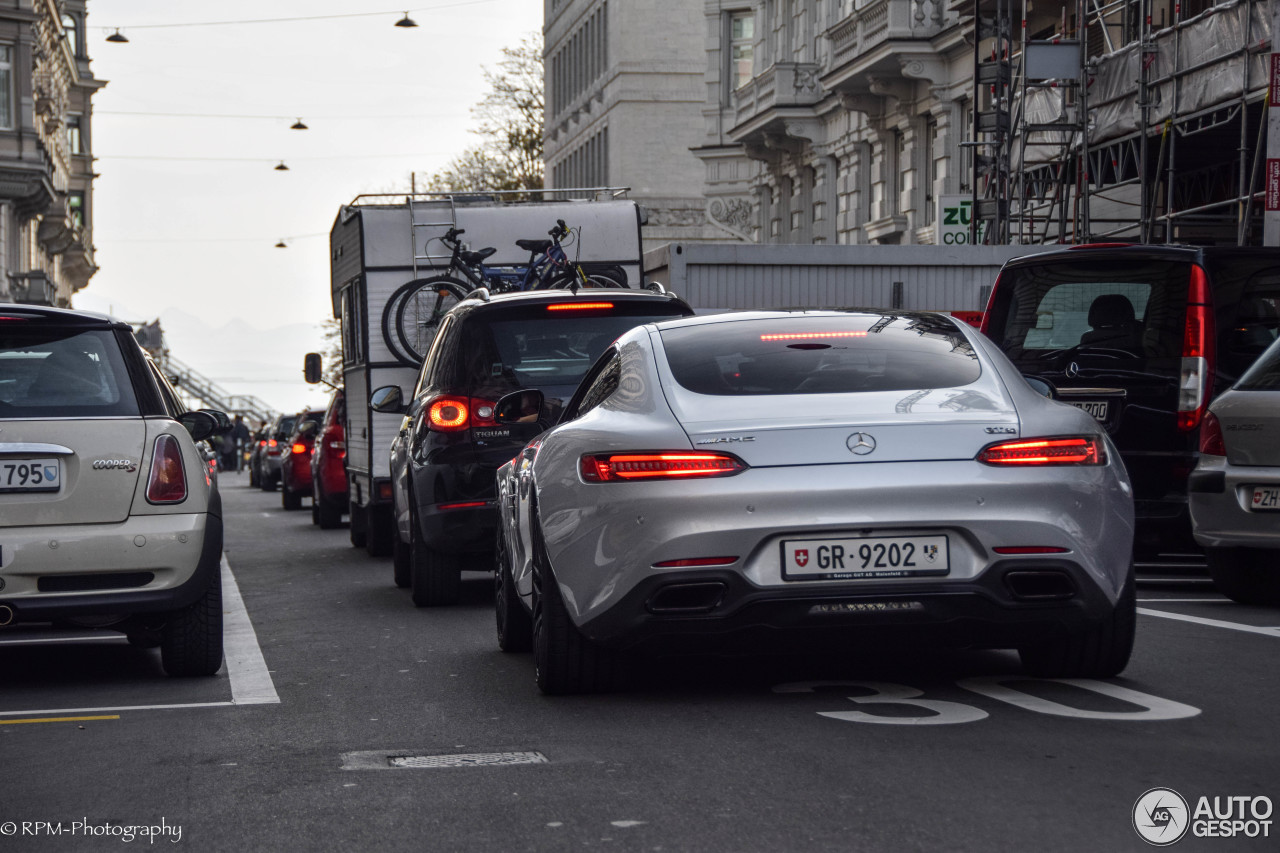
x=1221 y=600
x=1212 y=623
x=251 y=682
x=116 y=708
x=40 y=641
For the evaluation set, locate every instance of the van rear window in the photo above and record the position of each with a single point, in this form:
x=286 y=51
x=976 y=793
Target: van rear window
x=821 y=355
x=1117 y=309
x=52 y=372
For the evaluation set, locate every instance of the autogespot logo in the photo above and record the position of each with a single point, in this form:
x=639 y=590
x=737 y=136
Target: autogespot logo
x=1160 y=816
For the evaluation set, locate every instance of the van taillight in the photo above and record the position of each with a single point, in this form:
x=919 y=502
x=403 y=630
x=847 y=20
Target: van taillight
x=1196 y=377
x=454 y=414
x=167 y=483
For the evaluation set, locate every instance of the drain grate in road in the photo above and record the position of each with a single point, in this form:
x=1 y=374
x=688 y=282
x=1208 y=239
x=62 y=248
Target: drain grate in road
x=474 y=759
x=403 y=759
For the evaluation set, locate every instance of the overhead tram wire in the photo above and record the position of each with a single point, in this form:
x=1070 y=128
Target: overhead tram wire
x=400 y=11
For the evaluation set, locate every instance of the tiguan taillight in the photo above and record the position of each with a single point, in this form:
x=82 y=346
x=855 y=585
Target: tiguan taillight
x=167 y=483
x=455 y=414
x=1023 y=453
x=1196 y=378
x=668 y=465
x=1211 y=441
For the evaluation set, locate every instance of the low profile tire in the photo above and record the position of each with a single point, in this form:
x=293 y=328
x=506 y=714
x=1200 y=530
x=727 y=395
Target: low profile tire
x=191 y=640
x=435 y=577
x=1246 y=575
x=290 y=499
x=565 y=662
x=515 y=626
x=1101 y=651
x=400 y=564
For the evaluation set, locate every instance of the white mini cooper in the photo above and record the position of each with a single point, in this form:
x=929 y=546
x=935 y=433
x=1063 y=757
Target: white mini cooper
x=108 y=516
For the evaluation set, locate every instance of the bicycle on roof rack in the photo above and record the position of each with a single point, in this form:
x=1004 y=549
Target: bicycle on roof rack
x=414 y=311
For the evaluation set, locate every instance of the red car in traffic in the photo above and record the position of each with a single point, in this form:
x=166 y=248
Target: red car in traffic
x=295 y=461
x=329 y=466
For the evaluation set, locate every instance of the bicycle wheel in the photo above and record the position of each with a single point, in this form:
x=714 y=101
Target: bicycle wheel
x=389 y=336
x=420 y=311
x=594 y=279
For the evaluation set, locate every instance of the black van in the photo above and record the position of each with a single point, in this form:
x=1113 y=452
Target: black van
x=1143 y=338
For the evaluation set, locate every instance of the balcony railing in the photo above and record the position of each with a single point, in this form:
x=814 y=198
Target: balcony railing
x=879 y=21
x=786 y=84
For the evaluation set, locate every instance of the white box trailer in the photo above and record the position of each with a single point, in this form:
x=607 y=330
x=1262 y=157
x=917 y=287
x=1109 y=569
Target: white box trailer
x=380 y=244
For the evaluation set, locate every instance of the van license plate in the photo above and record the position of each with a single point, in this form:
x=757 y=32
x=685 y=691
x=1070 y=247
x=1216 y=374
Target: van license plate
x=30 y=475
x=1266 y=497
x=1097 y=408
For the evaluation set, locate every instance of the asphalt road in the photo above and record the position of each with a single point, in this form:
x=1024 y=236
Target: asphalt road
x=334 y=675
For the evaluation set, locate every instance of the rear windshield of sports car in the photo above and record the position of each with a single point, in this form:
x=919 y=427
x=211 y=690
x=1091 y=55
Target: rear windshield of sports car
x=544 y=345
x=1115 y=309
x=806 y=354
x=52 y=372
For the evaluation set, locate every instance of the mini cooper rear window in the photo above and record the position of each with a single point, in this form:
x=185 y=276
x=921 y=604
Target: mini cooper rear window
x=52 y=372
x=826 y=354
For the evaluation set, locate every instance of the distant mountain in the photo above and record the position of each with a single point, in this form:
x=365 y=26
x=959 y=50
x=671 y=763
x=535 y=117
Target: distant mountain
x=240 y=356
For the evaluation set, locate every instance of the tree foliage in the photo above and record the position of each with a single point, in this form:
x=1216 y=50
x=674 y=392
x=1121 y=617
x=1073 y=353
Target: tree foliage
x=510 y=121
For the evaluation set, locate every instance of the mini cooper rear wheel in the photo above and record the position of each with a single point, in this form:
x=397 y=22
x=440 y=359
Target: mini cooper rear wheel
x=515 y=627
x=1246 y=575
x=436 y=577
x=1102 y=651
x=191 y=640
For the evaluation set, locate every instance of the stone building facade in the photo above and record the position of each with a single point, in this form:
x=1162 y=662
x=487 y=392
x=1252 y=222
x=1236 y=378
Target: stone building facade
x=46 y=168
x=624 y=98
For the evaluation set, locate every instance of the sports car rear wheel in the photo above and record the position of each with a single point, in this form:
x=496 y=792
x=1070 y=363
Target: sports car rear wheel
x=515 y=628
x=1100 y=652
x=1246 y=575
x=564 y=660
x=435 y=576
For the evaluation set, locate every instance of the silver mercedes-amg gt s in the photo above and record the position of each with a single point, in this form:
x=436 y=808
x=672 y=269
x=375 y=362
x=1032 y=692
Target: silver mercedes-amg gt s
x=823 y=476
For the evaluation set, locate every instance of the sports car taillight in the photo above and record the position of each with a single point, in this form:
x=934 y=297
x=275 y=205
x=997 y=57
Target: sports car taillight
x=167 y=483
x=1211 y=441
x=668 y=465
x=1079 y=450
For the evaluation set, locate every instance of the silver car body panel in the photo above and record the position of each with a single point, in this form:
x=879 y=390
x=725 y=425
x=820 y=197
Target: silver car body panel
x=1250 y=423
x=603 y=539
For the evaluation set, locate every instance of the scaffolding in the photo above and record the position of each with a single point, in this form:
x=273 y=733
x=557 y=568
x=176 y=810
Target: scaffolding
x=1145 y=124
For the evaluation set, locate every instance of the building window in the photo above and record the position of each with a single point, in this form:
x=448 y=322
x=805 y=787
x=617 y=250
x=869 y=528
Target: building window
x=75 y=204
x=75 y=140
x=581 y=61
x=6 y=86
x=930 y=168
x=71 y=29
x=742 y=36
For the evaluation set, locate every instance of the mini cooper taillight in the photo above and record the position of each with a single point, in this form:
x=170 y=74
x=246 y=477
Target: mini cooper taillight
x=167 y=483
x=1076 y=450
x=668 y=465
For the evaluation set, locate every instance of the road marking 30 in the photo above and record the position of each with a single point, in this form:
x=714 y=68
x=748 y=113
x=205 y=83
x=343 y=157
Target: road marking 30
x=993 y=687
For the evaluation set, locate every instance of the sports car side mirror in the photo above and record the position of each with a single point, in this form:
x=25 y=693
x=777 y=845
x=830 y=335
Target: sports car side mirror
x=1041 y=387
x=519 y=407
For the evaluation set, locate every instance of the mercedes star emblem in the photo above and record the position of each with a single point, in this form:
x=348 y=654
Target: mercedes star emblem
x=1073 y=370
x=860 y=443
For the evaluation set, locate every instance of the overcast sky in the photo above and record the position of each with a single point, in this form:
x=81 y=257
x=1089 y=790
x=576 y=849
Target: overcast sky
x=188 y=206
